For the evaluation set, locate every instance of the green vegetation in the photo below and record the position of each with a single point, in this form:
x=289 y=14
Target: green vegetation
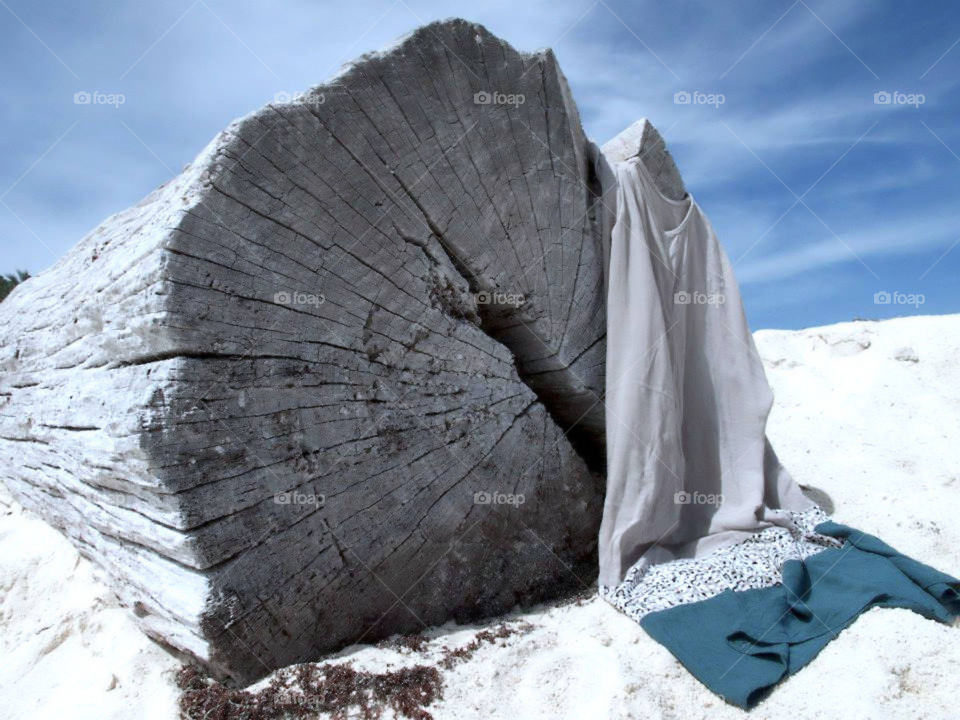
x=9 y=282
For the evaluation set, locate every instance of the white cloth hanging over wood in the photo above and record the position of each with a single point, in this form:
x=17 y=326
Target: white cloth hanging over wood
x=689 y=468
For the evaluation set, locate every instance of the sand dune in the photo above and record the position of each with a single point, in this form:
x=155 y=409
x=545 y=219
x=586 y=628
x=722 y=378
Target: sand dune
x=866 y=411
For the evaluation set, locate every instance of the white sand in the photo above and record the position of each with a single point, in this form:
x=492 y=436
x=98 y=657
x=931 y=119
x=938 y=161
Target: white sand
x=68 y=649
x=866 y=411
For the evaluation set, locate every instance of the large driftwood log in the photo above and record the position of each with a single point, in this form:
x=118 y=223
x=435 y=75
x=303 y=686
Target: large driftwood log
x=340 y=378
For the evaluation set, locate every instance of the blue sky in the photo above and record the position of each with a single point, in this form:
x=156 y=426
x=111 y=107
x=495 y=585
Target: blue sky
x=822 y=196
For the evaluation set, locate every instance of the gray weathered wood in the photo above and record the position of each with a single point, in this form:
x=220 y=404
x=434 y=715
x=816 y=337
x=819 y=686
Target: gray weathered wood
x=266 y=398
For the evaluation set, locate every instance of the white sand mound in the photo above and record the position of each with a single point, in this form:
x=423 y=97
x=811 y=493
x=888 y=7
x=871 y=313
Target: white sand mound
x=68 y=649
x=866 y=411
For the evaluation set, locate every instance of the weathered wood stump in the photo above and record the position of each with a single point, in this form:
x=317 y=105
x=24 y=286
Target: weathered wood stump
x=340 y=378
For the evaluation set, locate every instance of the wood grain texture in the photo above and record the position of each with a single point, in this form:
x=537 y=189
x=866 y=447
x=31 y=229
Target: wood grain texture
x=269 y=399
x=277 y=400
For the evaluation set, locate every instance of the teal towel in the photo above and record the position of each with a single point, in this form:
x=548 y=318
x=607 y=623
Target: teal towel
x=741 y=644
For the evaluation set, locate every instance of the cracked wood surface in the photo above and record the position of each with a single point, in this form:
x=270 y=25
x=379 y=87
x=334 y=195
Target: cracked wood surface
x=265 y=398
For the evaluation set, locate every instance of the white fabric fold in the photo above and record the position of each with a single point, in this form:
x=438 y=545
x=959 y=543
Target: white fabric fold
x=689 y=468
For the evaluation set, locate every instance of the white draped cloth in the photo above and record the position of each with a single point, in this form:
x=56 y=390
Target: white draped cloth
x=689 y=467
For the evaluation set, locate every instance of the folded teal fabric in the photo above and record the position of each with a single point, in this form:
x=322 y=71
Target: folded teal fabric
x=741 y=644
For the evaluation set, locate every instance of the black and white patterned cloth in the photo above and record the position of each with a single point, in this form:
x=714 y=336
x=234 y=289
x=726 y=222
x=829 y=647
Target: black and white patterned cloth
x=756 y=562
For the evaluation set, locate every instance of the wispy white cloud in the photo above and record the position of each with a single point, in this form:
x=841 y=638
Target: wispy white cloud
x=908 y=235
x=798 y=99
